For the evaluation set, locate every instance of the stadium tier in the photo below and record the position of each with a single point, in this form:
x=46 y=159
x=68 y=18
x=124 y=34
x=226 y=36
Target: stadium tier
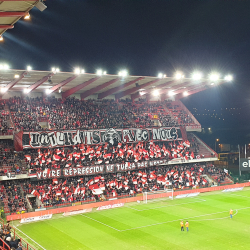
x=61 y=150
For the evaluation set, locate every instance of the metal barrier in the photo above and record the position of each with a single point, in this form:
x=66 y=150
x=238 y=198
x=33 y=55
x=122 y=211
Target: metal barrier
x=25 y=244
x=5 y=246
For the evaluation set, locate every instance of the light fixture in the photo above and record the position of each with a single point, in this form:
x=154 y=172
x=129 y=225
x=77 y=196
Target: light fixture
x=214 y=77
x=1 y=38
x=60 y=90
x=55 y=70
x=171 y=93
x=99 y=72
x=196 y=76
x=77 y=71
x=48 y=91
x=4 y=66
x=40 y=5
x=16 y=76
x=27 y=16
x=179 y=75
x=123 y=73
x=228 y=78
x=160 y=75
x=29 y=68
x=3 y=90
x=185 y=93
x=26 y=91
x=156 y=92
x=82 y=71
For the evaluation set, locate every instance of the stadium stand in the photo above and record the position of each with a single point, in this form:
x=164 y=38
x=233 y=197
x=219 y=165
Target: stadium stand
x=38 y=114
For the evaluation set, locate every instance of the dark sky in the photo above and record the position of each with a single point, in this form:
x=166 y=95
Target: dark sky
x=144 y=36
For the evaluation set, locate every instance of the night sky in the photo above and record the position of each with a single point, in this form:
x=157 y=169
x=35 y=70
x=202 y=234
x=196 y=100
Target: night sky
x=145 y=37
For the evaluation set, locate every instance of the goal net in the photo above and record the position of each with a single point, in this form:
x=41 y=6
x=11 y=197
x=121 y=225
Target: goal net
x=160 y=194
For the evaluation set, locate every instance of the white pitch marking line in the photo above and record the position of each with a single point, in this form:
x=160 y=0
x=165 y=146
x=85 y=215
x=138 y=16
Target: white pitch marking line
x=241 y=195
x=101 y=223
x=165 y=222
x=199 y=200
x=155 y=224
x=29 y=237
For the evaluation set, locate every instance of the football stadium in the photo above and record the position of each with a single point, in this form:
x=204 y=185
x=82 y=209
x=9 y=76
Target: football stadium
x=112 y=161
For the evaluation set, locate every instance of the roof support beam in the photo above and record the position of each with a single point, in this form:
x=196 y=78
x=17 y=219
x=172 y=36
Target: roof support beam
x=98 y=88
x=38 y=83
x=118 y=88
x=13 y=14
x=61 y=84
x=13 y=83
x=132 y=90
x=78 y=87
x=6 y=26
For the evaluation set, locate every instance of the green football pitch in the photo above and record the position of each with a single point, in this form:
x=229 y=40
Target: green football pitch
x=155 y=225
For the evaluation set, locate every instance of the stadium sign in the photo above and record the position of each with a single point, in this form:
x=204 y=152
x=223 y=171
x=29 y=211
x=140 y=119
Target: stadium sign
x=97 y=169
x=244 y=164
x=50 y=139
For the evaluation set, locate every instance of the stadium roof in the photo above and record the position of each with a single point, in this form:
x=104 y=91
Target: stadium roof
x=12 y=10
x=103 y=85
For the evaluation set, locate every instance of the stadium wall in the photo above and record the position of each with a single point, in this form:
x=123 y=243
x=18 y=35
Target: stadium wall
x=125 y=200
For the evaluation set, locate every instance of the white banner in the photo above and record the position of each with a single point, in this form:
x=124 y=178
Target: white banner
x=37 y=218
x=82 y=211
x=232 y=189
x=110 y=206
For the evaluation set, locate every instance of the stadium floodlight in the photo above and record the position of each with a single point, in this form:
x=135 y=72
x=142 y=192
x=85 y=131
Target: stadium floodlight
x=16 y=76
x=60 y=90
x=4 y=66
x=1 y=38
x=228 y=78
x=156 y=92
x=185 y=93
x=178 y=75
x=196 y=76
x=55 y=70
x=26 y=91
x=214 y=76
x=99 y=72
x=160 y=75
x=27 y=16
x=104 y=73
x=171 y=93
x=48 y=91
x=82 y=71
x=3 y=90
x=123 y=73
x=29 y=68
x=77 y=71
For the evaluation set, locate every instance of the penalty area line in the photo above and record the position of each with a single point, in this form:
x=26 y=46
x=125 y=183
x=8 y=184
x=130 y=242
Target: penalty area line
x=29 y=238
x=101 y=223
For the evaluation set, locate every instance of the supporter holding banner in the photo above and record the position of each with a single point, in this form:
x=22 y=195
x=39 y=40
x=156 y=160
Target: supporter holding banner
x=50 y=139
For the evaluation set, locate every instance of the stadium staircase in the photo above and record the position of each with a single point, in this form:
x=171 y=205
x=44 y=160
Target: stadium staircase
x=203 y=148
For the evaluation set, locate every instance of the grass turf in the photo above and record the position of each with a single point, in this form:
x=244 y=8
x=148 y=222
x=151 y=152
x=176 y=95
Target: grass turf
x=155 y=225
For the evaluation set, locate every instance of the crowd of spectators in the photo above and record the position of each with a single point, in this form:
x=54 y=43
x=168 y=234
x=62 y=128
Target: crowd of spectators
x=84 y=155
x=180 y=115
x=88 y=114
x=10 y=161
x=5 y=127
x=219 y=175
x=13 y=197
x=8 y=239
x=75 y=189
